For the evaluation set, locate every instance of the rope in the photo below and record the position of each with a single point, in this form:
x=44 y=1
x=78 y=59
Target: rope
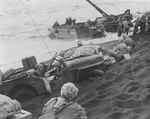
x=35 y=26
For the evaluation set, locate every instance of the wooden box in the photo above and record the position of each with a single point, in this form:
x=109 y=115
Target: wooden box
x=32 y=61
x=29 y=63
x=25 y=64
x=23 y=115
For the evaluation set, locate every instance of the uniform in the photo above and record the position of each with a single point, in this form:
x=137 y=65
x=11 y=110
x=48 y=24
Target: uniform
x=143 y=23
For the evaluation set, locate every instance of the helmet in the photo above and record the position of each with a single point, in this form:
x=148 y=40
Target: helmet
x=127 y=11
x=124 y=35
x=79 y=43
x=69 y=91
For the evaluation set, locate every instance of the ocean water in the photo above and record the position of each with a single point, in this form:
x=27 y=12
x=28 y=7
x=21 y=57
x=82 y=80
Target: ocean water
x=19 y=37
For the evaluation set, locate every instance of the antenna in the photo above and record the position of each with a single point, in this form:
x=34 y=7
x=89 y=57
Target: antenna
x=35 y=26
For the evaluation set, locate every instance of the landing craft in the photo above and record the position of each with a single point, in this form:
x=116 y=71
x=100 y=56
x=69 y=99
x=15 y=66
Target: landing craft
x=89 y=29
x=78 y=30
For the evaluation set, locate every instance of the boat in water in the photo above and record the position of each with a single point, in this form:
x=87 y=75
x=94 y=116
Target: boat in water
x=79 y=30
x=89 y=29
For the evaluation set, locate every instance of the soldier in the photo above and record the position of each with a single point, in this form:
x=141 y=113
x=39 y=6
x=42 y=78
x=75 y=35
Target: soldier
x=89 y=22
x=1 y=77
x=66 y=23
x=69 y=20
x=119 y=27
x=56 y=24
x=128 y=16
x=79 y=43
x=87 y=25
x=100 y=27
x=126 y=26
x=73 y=21
x=148 y=23
x=64 y=106
x=129 y=42
x=137 y=24
x=143 y=23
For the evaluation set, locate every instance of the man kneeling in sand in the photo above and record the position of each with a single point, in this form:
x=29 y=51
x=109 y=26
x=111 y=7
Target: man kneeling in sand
x=64 y=107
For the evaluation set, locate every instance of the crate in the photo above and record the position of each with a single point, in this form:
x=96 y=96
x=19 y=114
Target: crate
x=23 y=115
x=25 y=64
x=29 y=62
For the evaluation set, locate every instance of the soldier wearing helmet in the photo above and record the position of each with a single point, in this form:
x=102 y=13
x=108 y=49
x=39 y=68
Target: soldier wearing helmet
x=64 y=107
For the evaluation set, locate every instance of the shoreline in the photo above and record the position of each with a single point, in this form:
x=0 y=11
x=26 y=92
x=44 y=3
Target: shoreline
x=17 y=64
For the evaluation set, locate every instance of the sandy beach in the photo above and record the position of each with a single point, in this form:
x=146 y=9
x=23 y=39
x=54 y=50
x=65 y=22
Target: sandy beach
x=123 y=92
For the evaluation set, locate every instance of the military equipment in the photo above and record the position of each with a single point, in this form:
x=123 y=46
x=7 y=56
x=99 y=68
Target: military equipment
x=110 y=22
x=77 y=31
x=80 y=31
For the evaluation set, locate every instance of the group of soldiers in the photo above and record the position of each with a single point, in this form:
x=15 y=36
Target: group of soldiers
x=69 y=21
x=143 y=22
x=99 y=27
x=124 y=23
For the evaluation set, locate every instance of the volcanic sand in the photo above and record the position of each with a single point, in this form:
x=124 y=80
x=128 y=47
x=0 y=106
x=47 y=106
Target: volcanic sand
x=123 y=92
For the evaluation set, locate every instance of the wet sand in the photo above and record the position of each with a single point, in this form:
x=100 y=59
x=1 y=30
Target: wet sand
x=123 y=92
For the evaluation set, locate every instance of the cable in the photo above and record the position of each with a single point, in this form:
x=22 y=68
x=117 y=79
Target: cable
x=22 y=52
x=35 y=27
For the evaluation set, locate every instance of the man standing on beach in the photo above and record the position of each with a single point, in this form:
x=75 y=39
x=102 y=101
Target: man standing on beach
x=148 y=23
x=143 y=23
x=137 y=24
x=119 y=27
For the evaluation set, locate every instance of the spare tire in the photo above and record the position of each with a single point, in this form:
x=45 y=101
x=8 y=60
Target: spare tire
x=23 y=93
